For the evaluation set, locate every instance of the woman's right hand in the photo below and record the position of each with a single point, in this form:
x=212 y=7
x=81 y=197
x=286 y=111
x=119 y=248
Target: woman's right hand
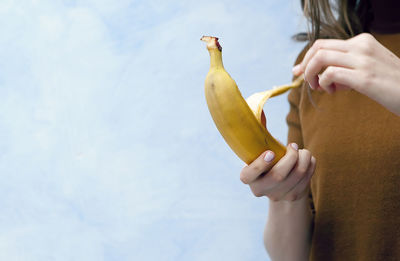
x=288 y=179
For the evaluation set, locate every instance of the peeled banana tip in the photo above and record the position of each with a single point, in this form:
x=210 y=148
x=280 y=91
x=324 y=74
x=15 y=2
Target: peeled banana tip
x=211 y=41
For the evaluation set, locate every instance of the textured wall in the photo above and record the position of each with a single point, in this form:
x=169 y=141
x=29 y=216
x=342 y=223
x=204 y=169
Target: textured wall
x=107 y=150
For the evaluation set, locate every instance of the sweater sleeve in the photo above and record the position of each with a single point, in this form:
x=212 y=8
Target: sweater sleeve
x=293 y=118
x=294 y=121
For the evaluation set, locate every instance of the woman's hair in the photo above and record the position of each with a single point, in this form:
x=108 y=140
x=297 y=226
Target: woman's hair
x=340 y=19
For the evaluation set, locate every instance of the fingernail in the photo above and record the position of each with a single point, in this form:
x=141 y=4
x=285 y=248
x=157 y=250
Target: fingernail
x=296 y=69
x=294 y=146
x=269 y=156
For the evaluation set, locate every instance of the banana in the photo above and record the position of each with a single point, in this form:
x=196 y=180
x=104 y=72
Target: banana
x=240 y=121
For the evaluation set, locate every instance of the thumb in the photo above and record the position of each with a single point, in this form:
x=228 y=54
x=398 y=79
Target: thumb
x=293 y=146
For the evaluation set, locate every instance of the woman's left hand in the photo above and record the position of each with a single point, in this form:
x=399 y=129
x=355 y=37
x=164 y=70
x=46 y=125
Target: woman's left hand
x=360 y=63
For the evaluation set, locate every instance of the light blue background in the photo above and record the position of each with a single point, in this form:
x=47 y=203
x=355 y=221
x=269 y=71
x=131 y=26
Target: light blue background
x=107 y=149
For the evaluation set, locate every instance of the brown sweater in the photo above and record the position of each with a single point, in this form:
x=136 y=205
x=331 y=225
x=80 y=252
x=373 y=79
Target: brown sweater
x=356 y=187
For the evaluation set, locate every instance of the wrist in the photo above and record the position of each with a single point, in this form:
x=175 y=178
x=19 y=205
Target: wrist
x=287 y=206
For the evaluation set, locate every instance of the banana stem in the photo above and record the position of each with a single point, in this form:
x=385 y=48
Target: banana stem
x=284 y=88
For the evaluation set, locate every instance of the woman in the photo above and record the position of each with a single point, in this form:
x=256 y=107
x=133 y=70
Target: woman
x=348 y=121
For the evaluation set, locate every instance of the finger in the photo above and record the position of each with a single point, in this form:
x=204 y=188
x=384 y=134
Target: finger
x=298 y=173
x=340 y=77
x=329 y=44
x=297 y=70
x=259 y=166
x=321 y=60
x=301 y=188
x=277 y=173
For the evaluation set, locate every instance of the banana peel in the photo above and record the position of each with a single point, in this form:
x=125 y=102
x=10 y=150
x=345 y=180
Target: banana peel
x=257 y=100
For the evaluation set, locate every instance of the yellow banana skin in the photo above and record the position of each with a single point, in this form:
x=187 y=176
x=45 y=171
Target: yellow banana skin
x=235 y=120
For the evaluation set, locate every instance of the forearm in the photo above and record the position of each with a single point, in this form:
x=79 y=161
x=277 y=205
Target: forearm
x=287 y=234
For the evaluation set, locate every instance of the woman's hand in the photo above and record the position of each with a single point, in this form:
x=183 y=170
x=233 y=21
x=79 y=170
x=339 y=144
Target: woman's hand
x=360 y=63
x=288 y=179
